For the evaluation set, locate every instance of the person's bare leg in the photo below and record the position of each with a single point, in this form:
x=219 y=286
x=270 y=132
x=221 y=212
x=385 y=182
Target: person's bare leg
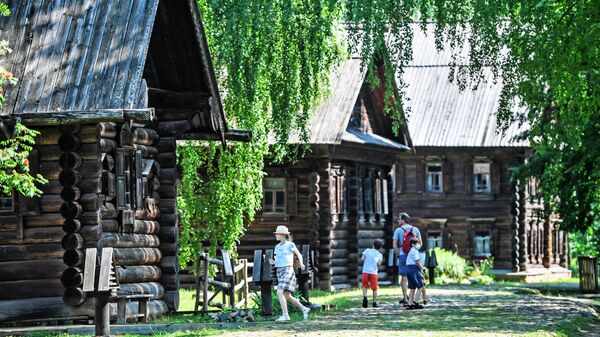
x=416 y=296
x=283 y=302
x=293 y=300
x=404 y=284
x=364 y=292
x=411 y=294
x=424 y=292
x=374 y=296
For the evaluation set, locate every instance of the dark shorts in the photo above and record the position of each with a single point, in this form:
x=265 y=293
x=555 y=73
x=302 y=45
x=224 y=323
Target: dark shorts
x=415 y=280
x=402 y=271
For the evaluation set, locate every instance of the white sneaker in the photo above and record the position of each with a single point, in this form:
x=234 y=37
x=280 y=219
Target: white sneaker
x=305 y=312
x=283 y=318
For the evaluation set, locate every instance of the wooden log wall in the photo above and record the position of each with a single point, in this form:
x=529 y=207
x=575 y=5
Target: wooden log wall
x=465 y=213
x=32 y=267
x=169 y=232
x=129 y=209
x=76 y=162
x=341 y=236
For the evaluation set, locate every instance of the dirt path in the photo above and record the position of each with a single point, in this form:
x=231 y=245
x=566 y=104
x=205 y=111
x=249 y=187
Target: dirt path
x=460 y=311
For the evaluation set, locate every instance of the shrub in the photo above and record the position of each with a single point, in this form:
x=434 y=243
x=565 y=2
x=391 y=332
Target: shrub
x=450 y=265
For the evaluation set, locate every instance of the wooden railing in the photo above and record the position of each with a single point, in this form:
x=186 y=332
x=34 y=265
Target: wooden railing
x=231 y=281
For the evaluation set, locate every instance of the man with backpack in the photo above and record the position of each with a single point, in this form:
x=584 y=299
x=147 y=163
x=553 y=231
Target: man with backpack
x=402 y=236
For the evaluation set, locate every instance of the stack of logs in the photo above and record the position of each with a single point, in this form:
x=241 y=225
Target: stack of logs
x=79 y=209
x=169 y=232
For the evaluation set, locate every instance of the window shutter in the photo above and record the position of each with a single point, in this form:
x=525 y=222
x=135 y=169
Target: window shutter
x=447 y=176
x=420 y=170
x=378 y=194
x=30 y=206
x=384 y=196
x=291 y=194
x=139 y=187
x=399 y=177
x=369 y=194
x=120 y=177
x=469 y=177
x=333 y=195
x=495 y=173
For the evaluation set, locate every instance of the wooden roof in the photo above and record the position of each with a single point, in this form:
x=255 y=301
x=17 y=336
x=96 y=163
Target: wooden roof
x=330 y=120
x=82 y=55
x=441 y=114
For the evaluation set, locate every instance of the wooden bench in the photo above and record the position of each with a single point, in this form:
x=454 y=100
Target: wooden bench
x=122 y=300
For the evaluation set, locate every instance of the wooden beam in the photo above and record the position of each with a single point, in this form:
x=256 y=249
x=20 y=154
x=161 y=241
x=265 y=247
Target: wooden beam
x=232 y=134
x=82 y=117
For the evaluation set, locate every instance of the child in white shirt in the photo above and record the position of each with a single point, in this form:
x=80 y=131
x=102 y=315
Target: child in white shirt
x=415 y=279
x=372 y=259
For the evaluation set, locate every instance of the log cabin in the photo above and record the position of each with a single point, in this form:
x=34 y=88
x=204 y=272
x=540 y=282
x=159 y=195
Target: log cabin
x=457 y=183
x=337 y=198
x=111 y=85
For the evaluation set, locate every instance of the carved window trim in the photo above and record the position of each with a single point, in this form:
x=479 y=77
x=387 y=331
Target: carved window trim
x=273 y=209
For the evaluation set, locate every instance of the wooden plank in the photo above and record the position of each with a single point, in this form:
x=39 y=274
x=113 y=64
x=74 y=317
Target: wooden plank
x=227 y=267
x=54 y=73
x=256 y=269
x=134 y=77
x=105 y=266
x=86 y=116
x=74 y=55
x=266 y=268
x=54 y=46
x=123 y=50
x=89 y=270
x=25 y=100
x=97 y=94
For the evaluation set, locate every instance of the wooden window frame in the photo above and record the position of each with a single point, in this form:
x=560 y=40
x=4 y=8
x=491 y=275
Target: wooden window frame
x=274 y=192
x=13 y=210
x=488 y=189
x=428 y=174
x=440 y=238
x=481 y=235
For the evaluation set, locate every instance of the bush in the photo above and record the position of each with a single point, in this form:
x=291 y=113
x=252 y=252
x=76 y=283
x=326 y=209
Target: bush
x=450 y=265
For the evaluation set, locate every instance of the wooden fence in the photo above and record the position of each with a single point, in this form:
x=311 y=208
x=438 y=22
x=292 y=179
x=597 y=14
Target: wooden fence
x=231 y=282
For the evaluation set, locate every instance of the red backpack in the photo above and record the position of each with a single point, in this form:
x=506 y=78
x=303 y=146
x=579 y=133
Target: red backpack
x=406 y=246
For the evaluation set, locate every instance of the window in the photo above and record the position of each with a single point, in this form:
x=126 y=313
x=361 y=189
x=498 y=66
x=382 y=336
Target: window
x=434 y=177
x=6 y=204
x=481 y=174
x=482 y=244
x=274 y=196
x=434 y=240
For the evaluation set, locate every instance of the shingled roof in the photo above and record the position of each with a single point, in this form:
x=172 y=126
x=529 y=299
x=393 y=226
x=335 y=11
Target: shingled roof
x=442 y=115
x=89 y=55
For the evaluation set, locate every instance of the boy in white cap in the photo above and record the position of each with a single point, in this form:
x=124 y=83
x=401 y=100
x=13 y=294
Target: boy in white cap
x=286 y=277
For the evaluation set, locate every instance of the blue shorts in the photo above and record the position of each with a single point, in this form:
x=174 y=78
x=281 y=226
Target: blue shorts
x=415 y=280
x=402 y=271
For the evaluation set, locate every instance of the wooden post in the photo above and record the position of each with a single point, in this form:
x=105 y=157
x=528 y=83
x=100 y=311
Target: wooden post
x=102 y=318
x=205 y=287
x=196 y=304
x=304 y=276
x=245 y=276
x=266 y=284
